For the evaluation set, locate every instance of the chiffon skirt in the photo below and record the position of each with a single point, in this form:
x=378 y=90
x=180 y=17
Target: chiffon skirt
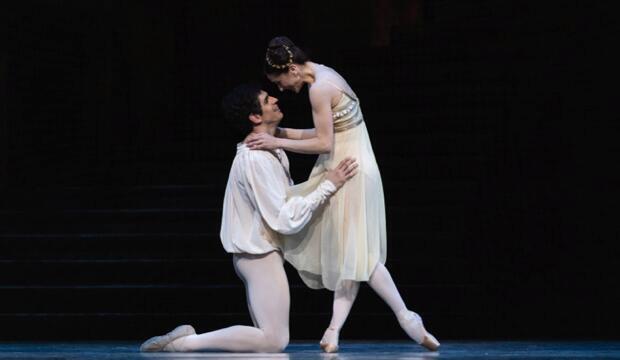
x=346 y=238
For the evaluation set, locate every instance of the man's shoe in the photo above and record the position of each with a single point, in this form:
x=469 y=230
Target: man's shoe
x=157 y=343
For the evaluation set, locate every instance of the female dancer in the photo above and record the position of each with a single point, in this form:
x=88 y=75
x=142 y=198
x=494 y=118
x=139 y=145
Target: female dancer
x=346 y=242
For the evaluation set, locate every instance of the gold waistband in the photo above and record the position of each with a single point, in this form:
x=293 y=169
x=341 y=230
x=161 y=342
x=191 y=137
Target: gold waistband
x=347 y=125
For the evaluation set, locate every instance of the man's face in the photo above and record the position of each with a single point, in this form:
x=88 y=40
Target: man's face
x=270 y=108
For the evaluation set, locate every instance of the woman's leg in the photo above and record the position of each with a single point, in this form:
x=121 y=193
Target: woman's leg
x=269 y=302
x=346 y=292
x=381 y=282
x=344 y=297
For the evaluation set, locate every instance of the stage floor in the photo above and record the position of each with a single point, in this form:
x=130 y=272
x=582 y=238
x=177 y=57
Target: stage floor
x=375 y=350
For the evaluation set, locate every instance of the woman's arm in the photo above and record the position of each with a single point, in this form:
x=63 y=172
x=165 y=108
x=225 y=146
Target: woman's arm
x=296 y=134
x=321 y=143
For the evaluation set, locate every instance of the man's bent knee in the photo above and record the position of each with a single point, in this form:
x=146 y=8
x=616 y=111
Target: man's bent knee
x=277 y=342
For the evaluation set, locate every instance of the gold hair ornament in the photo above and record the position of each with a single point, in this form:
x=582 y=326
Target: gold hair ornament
x=283 y=66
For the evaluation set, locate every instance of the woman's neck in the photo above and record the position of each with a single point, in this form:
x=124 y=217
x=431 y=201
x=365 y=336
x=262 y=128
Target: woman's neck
x=308 y=72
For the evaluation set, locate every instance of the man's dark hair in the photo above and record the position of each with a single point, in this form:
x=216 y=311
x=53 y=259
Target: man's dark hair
x=238 y=104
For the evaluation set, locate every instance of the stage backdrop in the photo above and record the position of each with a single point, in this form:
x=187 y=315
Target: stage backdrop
x=487 y=120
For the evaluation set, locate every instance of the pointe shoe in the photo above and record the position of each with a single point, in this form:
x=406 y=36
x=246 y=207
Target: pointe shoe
x=329 y=347
x=157 y=343
x=414 y=327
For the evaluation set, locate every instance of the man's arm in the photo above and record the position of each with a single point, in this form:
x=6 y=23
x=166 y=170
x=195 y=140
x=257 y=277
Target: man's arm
x=288 y=216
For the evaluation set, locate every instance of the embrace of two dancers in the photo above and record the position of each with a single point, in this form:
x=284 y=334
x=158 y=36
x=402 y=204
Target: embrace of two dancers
x=331 y=228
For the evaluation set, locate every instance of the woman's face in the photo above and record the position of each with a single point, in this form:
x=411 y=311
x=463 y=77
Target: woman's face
x=290 y=80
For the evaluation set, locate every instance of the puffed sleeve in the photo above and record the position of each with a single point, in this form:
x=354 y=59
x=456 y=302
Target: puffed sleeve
x=286 y=216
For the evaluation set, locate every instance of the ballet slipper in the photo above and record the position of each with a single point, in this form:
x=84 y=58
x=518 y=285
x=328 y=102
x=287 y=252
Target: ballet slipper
x=157 y=343
x=171 y=347
x=329 y=344
x=414 y=327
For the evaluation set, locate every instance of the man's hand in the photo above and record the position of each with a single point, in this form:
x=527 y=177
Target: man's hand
x=345 y=170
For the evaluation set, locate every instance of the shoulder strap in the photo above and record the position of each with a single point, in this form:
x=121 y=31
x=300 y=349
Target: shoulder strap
x=352 y=96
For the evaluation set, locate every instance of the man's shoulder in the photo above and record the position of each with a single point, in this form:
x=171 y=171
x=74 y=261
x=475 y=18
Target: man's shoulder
x=245 y=156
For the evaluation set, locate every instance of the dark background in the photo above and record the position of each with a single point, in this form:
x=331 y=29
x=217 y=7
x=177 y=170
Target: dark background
x=491 y=121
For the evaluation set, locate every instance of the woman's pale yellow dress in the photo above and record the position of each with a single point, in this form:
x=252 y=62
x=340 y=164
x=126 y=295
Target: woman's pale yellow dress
x=346 y=239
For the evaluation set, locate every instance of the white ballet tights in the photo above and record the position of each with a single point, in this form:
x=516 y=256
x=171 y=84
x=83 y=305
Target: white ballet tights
x=381 y=282
x=344 y=296
x=268 y=301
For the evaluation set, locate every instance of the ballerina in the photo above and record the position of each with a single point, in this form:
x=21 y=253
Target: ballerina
x=346 y=243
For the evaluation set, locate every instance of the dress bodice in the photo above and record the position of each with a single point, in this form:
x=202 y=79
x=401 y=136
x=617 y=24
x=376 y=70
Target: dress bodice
x=347 y=113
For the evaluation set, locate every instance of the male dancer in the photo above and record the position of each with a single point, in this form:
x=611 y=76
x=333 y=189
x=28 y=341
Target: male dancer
x=255 y=212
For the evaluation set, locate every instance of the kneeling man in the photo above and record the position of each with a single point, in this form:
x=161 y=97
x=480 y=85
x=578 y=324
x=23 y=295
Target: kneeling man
x=256 y=210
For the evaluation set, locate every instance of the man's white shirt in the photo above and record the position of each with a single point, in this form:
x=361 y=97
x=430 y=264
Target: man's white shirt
x=256 y=209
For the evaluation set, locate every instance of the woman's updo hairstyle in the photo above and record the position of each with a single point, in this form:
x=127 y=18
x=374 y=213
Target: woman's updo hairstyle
x=282 y=53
